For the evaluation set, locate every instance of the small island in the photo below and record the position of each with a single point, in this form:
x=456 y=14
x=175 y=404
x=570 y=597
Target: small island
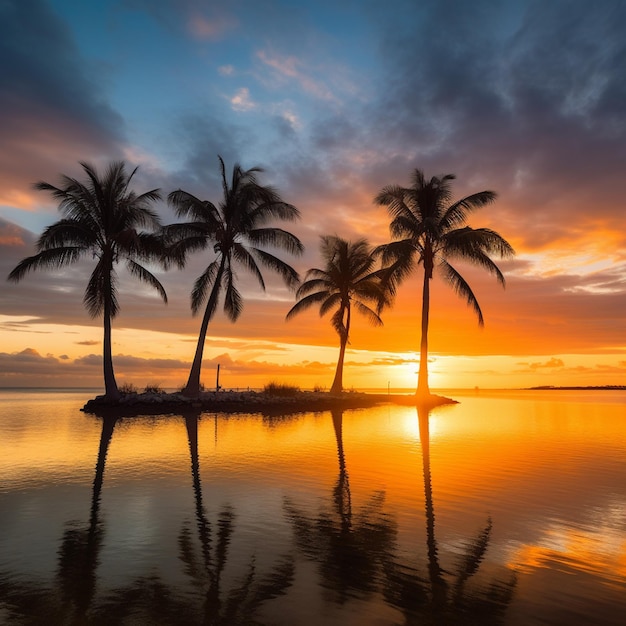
x=273 y=401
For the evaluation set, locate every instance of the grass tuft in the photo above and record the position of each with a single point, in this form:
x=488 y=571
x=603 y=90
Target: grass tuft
x=153 y=388
x=127 y=388
x=281 y=389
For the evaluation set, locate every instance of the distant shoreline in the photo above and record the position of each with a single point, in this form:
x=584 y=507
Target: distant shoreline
x=579 y=388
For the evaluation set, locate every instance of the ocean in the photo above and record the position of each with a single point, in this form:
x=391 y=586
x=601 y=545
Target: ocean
x=506 y=508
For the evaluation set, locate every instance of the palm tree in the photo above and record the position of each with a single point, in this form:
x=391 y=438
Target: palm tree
x=237 y=229
x=430 y=230
x=101 y=217
x=348 y=279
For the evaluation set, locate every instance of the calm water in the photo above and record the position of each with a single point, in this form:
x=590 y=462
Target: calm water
x=508 y=508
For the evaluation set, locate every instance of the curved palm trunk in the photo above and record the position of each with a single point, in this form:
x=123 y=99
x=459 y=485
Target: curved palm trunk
x=337 y=386
x=192 y=388
x=422 y=378
x=110 y=385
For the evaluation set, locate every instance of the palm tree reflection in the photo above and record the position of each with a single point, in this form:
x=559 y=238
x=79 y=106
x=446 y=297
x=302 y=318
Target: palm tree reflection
x=445 y=597
x=70 y=600
x=80 y=546
x=206 y=569
x=351 y=548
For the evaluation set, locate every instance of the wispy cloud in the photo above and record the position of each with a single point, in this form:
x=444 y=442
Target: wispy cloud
x=213 y=28
x=242 y=101
x=291 y=68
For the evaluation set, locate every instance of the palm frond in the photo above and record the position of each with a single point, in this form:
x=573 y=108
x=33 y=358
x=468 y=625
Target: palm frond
x=201 y=285
x=332 y=300
x=147 y=277
x=456 y=214
x=242 y=255
x=289 y=275
x=225 y=189
x=151 y=247
x=67 y=232
x=337 y=322
x=493 y=243
x=270 y=206
x=407 y=226
x=46 y=259
x=320 y=284
x=276 y=238
x=306 y=303
x=372 y=317
x=474 y=245
x=460 y=286
x=187 y=205
x=418 y=179
x=101 y=290
x=396 y=199
x=233 y=302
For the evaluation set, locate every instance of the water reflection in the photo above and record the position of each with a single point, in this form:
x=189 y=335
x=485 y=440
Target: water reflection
x=240 y=603
x=180 y=522
x=350 y=547
x=444 y=597
x=80 y=546
x=72 y=597
x=69 y=600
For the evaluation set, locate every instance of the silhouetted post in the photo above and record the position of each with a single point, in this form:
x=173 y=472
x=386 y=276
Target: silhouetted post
x=217 y=378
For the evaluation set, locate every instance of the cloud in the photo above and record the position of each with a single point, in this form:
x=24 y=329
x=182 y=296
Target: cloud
x=521 y=91
x=552 y=363
x=11 y=235
x=213 y=28
x=241 y=101
x=290 y=68
x=526 y=98
x=47 y=119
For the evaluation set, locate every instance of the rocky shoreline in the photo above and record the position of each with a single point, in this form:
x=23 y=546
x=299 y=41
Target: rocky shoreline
x=132 y=404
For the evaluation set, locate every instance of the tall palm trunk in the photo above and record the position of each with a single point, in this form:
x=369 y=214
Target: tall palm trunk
x=192 y=388
x=110 y=385
x=422 y=378
x=337 y=386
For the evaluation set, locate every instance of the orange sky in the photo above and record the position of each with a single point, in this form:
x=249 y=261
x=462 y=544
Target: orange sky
x=331 y=124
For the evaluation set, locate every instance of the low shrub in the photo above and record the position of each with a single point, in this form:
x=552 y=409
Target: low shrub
x=127 y=388
x=153 y=388
x=280 y=389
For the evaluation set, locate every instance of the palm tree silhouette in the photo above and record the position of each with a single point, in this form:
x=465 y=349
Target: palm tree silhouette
x=430 y=230
x=237 y=229
x=348 y=279
x=101 y=217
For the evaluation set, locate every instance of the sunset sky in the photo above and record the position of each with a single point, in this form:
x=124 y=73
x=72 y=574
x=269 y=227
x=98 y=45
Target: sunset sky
x=334 y=99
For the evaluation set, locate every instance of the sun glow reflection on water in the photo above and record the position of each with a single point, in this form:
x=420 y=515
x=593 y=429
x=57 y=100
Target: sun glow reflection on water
x=310 y=492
